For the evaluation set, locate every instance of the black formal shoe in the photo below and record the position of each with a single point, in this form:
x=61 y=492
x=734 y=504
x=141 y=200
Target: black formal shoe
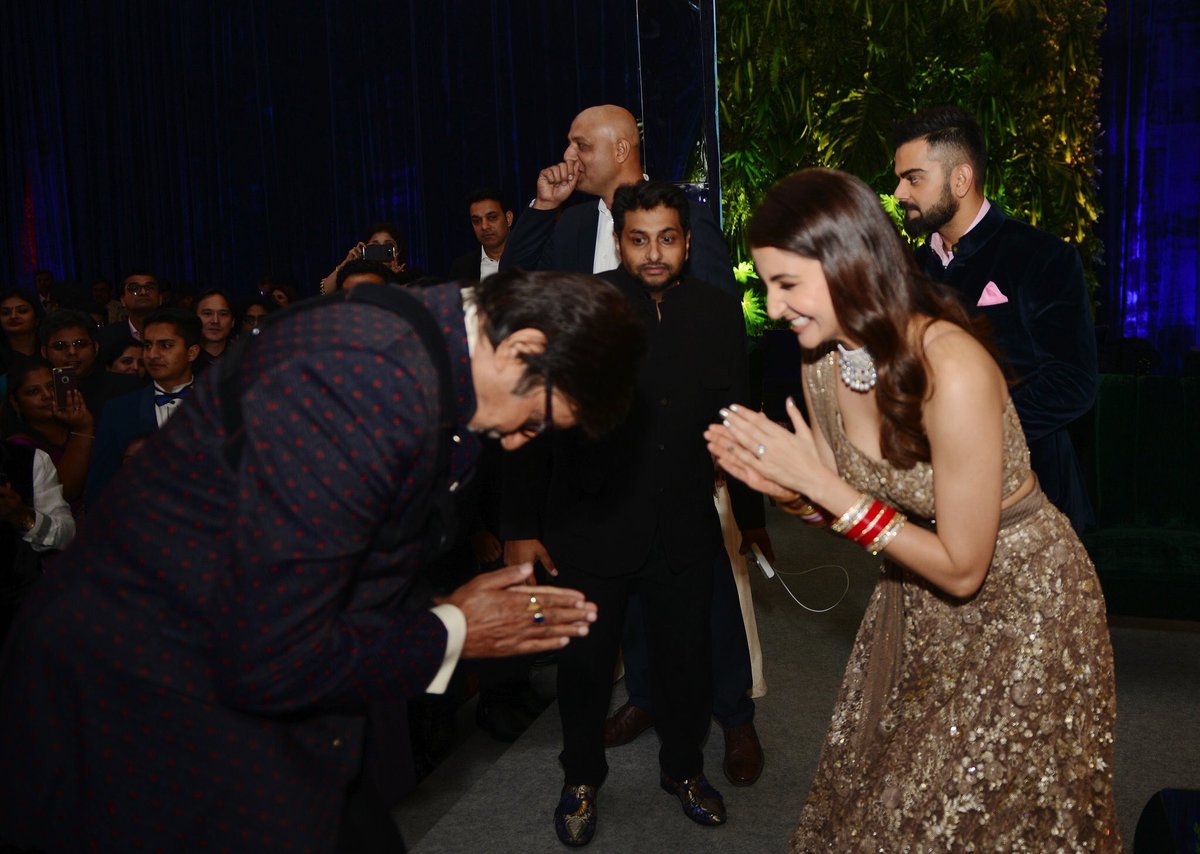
x=743 y=755
x=626 y=724
x=701 y=802
x=575 y=815
x=501 y=716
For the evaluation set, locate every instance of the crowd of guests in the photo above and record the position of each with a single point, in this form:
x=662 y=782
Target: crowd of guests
x=987 y=628
x=83 y=381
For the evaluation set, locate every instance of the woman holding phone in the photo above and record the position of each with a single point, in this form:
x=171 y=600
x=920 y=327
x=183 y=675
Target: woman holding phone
x=57 y=423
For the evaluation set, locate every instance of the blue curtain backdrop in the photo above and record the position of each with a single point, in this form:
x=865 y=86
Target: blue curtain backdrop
x=218 y=142
x=1150 y=179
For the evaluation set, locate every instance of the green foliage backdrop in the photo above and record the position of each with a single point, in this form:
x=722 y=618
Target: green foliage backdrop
x=822 y=82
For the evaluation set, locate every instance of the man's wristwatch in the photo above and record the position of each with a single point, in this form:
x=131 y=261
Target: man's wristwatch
x=28 y=520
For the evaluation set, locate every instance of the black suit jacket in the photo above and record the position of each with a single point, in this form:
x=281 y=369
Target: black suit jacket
x=1045 y=336
x=542 y=240
x=465 y=268
x=214 y=635
x=606 y=499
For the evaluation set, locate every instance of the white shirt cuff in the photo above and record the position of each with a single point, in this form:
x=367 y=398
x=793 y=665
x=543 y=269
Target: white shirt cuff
x=456 y=636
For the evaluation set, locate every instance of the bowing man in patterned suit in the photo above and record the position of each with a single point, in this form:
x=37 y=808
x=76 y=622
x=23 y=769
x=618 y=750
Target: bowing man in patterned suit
x=199 y=671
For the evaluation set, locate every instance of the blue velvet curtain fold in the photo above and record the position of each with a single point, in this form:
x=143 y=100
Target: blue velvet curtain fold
x=218 y=142
x=1150 y=174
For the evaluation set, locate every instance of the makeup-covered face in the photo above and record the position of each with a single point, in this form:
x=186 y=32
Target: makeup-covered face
x=798 y=293
x=34 y=399
x=16 y=316
x=216 y=319
x=129 y=362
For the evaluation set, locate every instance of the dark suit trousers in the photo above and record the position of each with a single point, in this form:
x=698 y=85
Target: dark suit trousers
x=732 y=674
x=676 y=610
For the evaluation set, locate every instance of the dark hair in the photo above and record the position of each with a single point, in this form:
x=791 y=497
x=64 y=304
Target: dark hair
x=142 y=271
x=874 y=284
x=115 y=345
x=593 y=340
x=64 y=319
x=185 y=323
x=392 y=230
x=647 y=196
x=20 y=370
x=487 y=194
x=244 y=306
x=36 y=304
x=949 y=130
x=359 y=267
x=213 y=292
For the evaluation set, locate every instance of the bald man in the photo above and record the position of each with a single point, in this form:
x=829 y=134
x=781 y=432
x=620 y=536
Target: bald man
x=603 y=152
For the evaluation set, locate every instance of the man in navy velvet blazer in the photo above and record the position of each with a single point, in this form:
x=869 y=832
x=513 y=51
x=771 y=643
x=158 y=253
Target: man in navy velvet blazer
x=171 y=345
x=603 y=152
x=197 y=671
x=1028 y=284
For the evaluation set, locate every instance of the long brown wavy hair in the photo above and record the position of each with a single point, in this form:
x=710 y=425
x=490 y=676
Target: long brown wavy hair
x=875 y=286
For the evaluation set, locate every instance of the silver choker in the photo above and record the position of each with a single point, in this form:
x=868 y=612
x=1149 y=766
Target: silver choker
x=857 y=368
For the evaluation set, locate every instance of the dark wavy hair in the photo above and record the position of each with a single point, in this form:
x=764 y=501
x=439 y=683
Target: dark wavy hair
x=594 y=342
x=875 y=286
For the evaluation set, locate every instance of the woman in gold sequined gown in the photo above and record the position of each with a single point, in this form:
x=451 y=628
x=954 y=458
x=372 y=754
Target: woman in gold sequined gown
x=977 y=710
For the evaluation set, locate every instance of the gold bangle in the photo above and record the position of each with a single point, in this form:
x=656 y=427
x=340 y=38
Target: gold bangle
x=889 y=532
x=852 y=516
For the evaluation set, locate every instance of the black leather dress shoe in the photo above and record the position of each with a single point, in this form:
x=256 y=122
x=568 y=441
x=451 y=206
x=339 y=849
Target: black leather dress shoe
x=575 y=815
x=626 y=724
x=743 y=755
x=701 y=802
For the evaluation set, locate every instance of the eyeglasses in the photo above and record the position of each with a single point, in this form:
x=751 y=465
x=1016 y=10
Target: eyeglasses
x=534 y=427
x=146 y=288
x=62 y=346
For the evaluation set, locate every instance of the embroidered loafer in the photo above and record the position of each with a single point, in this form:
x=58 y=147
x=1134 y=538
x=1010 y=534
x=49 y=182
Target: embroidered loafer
x=701 y=802
x=575 y=815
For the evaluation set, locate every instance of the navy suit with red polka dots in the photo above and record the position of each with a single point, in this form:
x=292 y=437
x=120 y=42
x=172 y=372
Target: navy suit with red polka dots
x=195 y=671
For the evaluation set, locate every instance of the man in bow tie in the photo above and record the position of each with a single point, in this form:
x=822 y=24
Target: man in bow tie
x=1027 y=282
x=171 y=344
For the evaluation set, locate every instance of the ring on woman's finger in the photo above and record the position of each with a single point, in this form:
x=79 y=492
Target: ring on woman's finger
x=760 y=451
x=533 y=604
x=539 y=617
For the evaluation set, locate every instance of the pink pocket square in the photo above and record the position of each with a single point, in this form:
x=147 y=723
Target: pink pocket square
x=991 y=295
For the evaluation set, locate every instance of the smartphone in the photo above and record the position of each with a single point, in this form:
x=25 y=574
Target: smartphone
x=378 y=252
x=64 y=381
x=763 y=563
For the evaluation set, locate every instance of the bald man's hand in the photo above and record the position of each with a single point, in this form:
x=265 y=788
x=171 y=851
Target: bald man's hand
x=555 y=184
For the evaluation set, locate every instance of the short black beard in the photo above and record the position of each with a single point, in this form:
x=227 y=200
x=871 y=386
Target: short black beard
x=657 y=289
x=934 y=218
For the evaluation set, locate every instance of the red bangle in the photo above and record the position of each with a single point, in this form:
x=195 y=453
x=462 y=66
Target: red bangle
x=868 y=519
x=876 y=528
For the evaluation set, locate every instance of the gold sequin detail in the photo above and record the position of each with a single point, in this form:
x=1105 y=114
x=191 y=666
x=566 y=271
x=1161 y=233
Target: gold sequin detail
x=996 y=732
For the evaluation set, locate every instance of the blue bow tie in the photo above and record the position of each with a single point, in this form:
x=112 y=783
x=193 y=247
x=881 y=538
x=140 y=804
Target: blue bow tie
x=165 y=397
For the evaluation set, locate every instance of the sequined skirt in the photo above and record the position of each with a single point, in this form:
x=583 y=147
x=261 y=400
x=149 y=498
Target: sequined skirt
x=981 y=724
